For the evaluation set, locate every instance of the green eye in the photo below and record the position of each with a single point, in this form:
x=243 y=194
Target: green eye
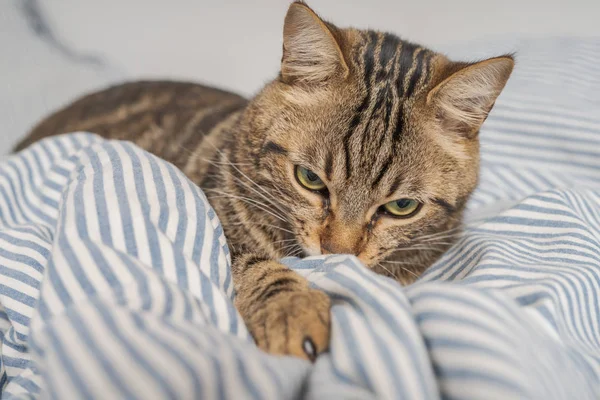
x=402 y=207
x=309 y=179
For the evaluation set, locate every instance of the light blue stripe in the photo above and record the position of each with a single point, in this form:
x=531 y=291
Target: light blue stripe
x=19 y=276
x=474 y=374
x=100 y=201
x=168 y=301
x=161 y=191
x=14 y=206
x=28 y=385
x=385 y=315
x=220 y=375
x=141 y=281
x=506 y=155
x=124 y=210
x=57 y=282
x=197 y=391
x=214 y=255
x=554 y=149
x=22 y=259
x=151 y=233
x=17 y=296
x=68 y=365
x=356 y=355
x=140 y=360
x=79 y=324
x=93 y=249
x=21 y=185
x=573 y=138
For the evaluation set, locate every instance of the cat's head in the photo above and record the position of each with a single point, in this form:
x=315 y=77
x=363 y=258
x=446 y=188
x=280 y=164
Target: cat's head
x=370 y=141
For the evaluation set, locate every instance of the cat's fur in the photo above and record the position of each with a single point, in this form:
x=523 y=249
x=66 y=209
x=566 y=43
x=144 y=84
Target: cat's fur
x=376 y=117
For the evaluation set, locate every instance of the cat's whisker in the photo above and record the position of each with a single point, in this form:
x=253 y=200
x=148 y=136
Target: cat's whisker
x=418 y=246
x=193 y=153
x=220 y=152
x=456 y=231
x=435 y=243
x=414 y=248
x=279 y=191
x=283 y=241
x=234 y=165
x=398 y=262
x=410 y=272
x=225 y=194
x=453 y=238
x=250 y=201
x=268 y=195
x=252 y=204
x=271 y=201
x=296 y=253
x=255 y=203
x=290 y=246
x=292 y=250
x=399 y=265
x=442 y=234
x=388 y=270
x=448 y=231
x=448 y=240
x=267 y=225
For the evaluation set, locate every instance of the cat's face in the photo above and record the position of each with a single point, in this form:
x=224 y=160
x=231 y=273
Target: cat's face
x=370 y=141
x=363 y=188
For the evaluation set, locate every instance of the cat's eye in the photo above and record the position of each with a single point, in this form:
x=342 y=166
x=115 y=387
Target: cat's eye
x=402 y=208
x=309 y=179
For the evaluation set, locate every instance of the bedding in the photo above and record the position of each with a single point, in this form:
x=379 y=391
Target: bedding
x=115 y=283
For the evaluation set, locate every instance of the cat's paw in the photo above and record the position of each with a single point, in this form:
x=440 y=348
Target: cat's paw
x=294 y=323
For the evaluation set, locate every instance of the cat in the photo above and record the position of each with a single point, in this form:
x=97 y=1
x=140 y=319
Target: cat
x=364 y=144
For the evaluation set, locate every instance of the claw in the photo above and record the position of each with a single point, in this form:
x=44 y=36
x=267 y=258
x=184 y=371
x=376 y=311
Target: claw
x=309 y=348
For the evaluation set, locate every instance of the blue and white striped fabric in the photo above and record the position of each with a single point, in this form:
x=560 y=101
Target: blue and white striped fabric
x=115 y=283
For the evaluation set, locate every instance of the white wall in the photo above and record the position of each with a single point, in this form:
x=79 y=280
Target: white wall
x=236 y=43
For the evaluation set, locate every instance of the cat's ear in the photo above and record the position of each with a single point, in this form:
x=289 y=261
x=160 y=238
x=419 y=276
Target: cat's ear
x=311 y=54
x=463 y=100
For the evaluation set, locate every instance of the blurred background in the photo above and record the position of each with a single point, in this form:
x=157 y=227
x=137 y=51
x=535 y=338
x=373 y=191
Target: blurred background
x=52 y=51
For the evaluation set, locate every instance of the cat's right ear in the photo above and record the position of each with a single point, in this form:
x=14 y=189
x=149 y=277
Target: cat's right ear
x=311 y=54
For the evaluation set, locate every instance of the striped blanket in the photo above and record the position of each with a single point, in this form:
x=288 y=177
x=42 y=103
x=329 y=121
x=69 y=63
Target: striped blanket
x=115 y=281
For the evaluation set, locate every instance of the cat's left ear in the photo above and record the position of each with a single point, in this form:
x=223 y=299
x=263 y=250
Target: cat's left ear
x=311 y=53
x=463 y=100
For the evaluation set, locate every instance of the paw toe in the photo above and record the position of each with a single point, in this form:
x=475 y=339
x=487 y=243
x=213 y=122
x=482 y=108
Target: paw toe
x=295 y=324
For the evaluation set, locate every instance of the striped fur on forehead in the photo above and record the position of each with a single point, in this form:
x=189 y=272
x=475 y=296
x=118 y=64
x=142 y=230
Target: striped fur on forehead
x=392 y=72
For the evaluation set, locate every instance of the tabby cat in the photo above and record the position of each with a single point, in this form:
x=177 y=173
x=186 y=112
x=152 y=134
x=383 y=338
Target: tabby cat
x=364 y=144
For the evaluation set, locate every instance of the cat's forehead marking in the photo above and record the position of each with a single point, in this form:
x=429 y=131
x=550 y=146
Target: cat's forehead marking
x=392 y=71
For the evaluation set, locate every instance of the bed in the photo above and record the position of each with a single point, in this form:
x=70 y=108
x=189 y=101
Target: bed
x=115 y=281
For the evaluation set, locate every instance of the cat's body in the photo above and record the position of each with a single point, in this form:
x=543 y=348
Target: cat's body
x=365 y=144
x=168 y=119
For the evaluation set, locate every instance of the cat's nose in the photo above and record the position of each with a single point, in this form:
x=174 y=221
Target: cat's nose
x=328 y=247
x=341 y=239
